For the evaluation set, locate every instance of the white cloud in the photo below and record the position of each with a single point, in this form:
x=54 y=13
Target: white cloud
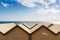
x=49 y=14
x=4 y=4
x=45 y=11
x=27 y=3
x=30 y=3
x=46 y=2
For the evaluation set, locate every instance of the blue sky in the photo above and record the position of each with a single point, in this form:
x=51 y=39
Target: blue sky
x=29 y=10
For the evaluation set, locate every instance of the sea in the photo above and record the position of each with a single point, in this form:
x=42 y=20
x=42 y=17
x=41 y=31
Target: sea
x=20 y=22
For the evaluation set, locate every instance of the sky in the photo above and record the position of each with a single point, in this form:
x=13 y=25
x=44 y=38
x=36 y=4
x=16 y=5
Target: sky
x=30 y=10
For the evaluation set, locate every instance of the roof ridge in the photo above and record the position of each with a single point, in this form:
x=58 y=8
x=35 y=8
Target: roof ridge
x=50 y=27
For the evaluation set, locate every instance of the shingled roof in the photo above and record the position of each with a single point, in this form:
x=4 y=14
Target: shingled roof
x=55 y=28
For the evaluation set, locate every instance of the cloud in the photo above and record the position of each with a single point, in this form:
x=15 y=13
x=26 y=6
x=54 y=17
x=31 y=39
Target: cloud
x=31 y=3
x=45 y=11
x=27 y=3
x=49 y=15
x=4 y=4
x=46 y=2
x=42 y=14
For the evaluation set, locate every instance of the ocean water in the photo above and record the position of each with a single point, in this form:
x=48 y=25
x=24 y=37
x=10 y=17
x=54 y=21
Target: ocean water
x=21 y=22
